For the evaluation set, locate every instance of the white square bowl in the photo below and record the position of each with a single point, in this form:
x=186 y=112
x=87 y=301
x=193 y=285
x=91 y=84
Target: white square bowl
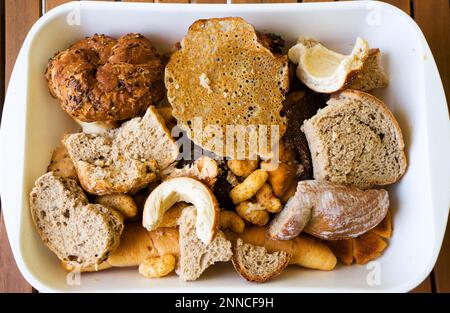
x=33 y=124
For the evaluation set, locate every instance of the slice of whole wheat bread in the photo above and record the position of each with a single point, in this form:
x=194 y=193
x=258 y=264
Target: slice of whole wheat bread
x=79 y=233
x=125 y=159
x=355 y=140
x=255 y=264
x=195 y=256
x=372 y=75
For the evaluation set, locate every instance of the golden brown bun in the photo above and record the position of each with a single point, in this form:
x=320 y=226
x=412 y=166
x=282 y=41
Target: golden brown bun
x=103 y=79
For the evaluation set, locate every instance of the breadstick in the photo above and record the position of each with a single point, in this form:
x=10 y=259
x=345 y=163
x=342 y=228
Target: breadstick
x=137 y=244
x=306 y=251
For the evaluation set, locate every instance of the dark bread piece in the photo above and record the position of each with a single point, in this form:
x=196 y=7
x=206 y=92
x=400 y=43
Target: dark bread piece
x=298 y=107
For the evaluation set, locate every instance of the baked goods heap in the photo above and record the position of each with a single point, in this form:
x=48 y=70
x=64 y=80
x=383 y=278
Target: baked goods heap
x=309 y=200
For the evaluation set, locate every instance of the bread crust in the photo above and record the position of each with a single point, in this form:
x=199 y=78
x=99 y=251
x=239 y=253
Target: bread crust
x=70 y=207
x=255 y=278
x=320 y=160
x=103 y=79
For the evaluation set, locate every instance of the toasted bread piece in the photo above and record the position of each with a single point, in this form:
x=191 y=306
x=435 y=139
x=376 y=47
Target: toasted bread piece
x=372 y=74
x=226 y=76
x=343 y=250
x=79 y=233
x=368 y=247
x=120 y=202
x=196 y=256
x=356 y=140
x=125 y=159
x=61 y=164
x=384 y=229
x=255 y=264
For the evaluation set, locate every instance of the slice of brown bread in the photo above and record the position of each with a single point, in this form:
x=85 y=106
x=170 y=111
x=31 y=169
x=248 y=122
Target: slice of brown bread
x=124 y=159
x=356 y=140
x=226 y=75
x=195 y=256
x=77 y=232
x=372 y=75
x=255 y=264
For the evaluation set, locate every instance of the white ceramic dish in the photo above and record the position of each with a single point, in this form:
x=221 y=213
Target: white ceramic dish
x=33 y=123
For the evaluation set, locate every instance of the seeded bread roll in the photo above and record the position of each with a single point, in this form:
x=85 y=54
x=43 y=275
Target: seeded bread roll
x=255 y=264
x=104 y=79
x=125 y=159
x=356 y=141
x=79 y=233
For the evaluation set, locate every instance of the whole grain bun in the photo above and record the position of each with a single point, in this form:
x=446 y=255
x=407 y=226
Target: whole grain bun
x=255 y=264
x=224 y=74
x=356 y=140
x=77 y=232
x=103 y=79
x=125 y=159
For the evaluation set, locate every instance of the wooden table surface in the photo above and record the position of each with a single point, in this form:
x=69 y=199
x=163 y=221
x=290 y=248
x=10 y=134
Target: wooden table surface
x=17 y=16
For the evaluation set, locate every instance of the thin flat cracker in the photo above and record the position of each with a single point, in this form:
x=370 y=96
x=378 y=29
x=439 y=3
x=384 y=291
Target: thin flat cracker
x=224 y=75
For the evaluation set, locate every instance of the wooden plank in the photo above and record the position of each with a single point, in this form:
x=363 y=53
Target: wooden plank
x=442 y=267
x=246 y=1
x=137 y=0
x=434 y=20
x=424 y=287
x=50 y=4
x=2 y=59
x=10 y=278
x=278 y=1
x=172 y=1
x=404 y=5
x=19 y=17
x=208 y=1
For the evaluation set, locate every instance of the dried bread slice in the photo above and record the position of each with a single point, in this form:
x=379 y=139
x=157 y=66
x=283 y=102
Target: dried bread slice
x=225 y=75
x=255 y=264
x=196 y=256
x=124 y=159
x=372 y=74
x=356 y=140
x=79 y=233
